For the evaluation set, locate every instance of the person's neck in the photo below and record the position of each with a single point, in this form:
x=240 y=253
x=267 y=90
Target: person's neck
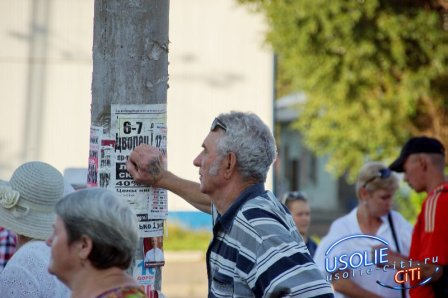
x=22 y=240
x=368 y=224
x=92 y=282
x=224 y=197
x=435 y=179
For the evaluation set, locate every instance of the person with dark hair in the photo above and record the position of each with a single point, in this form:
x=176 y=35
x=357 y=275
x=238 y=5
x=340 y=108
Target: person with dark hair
x=27 y=208
x=93 y=242
x=256 y=250
x=298 y=206
x=422 y=160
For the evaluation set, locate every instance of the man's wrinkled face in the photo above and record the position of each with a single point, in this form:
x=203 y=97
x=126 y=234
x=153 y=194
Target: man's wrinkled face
x=209 y=163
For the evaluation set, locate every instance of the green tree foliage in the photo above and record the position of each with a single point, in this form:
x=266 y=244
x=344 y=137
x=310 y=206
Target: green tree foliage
x=409 y=203
x=374 y=71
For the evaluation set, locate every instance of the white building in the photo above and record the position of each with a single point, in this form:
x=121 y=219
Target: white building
x=217 y=63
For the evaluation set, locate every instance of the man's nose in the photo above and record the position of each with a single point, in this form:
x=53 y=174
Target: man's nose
x=196 y=161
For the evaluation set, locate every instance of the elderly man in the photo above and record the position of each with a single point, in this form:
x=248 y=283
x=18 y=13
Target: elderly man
x=422 y=159
x=256 y=250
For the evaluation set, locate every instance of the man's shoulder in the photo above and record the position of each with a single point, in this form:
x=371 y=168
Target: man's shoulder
x=442 y=189
x=264 y=217
x=439 y=196
x=267 y=200
x=261 y=207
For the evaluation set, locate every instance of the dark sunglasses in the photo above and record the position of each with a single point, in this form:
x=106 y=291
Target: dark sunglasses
x=218 y=123
x=382 y=173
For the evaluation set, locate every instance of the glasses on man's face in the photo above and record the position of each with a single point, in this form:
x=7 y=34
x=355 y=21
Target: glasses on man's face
x=218 y=123
x=382 y=173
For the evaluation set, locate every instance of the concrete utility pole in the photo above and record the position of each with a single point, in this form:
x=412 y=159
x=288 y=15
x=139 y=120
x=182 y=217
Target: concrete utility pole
x=130 y=60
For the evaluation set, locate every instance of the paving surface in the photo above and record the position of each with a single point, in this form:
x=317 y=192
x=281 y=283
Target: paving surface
x=184 y=275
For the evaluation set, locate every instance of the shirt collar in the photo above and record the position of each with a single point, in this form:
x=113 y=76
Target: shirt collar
x=250 y=192
x=440 y=188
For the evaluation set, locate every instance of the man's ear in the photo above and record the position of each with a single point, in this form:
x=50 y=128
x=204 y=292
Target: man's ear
x=230 y=164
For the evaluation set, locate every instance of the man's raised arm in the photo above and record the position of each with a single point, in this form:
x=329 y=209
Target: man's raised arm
x=147 y=166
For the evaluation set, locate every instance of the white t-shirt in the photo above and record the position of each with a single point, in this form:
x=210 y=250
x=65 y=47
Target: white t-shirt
x=26 y=274
x=348 y=225
x=154 y=255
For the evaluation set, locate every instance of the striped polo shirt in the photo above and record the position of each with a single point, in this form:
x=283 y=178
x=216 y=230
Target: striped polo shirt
x=256 y=251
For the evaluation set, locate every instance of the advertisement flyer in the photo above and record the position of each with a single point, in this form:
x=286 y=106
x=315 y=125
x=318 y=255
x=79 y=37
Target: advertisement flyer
x=106 y=153
x=153 y=251
x=132 y=125
x=92 y=171
x=144 y=276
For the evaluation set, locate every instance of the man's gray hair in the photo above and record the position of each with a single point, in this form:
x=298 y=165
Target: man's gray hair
x=103 y=217
x=252 y=142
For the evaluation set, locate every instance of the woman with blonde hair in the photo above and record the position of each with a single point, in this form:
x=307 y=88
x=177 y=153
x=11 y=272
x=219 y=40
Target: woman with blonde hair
x=93 y=243
x=352 y=238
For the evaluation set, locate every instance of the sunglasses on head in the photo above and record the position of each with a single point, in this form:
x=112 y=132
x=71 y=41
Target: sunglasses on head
x=382 y=173
x=218 y=123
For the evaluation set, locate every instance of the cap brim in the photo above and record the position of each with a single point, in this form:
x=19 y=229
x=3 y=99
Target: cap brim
x=397 y=165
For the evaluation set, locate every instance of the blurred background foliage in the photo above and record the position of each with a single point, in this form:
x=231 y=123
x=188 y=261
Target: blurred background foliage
x=374 y=73
x=181 y=239
x=409 y=203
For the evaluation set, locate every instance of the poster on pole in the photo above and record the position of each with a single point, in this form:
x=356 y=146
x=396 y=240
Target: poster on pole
x=96 y=133
x=145 y=276
x=132 y=125
x=106 y=156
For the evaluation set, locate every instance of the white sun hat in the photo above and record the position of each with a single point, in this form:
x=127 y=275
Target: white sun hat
x=27 y=201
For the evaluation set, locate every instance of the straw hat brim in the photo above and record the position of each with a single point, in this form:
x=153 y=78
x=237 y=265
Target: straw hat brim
x=27 y=201
x=36 y=225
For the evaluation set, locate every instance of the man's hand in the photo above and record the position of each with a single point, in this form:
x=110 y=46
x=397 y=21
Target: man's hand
x=146 y=165
x=431 y=270
x=402 y=262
